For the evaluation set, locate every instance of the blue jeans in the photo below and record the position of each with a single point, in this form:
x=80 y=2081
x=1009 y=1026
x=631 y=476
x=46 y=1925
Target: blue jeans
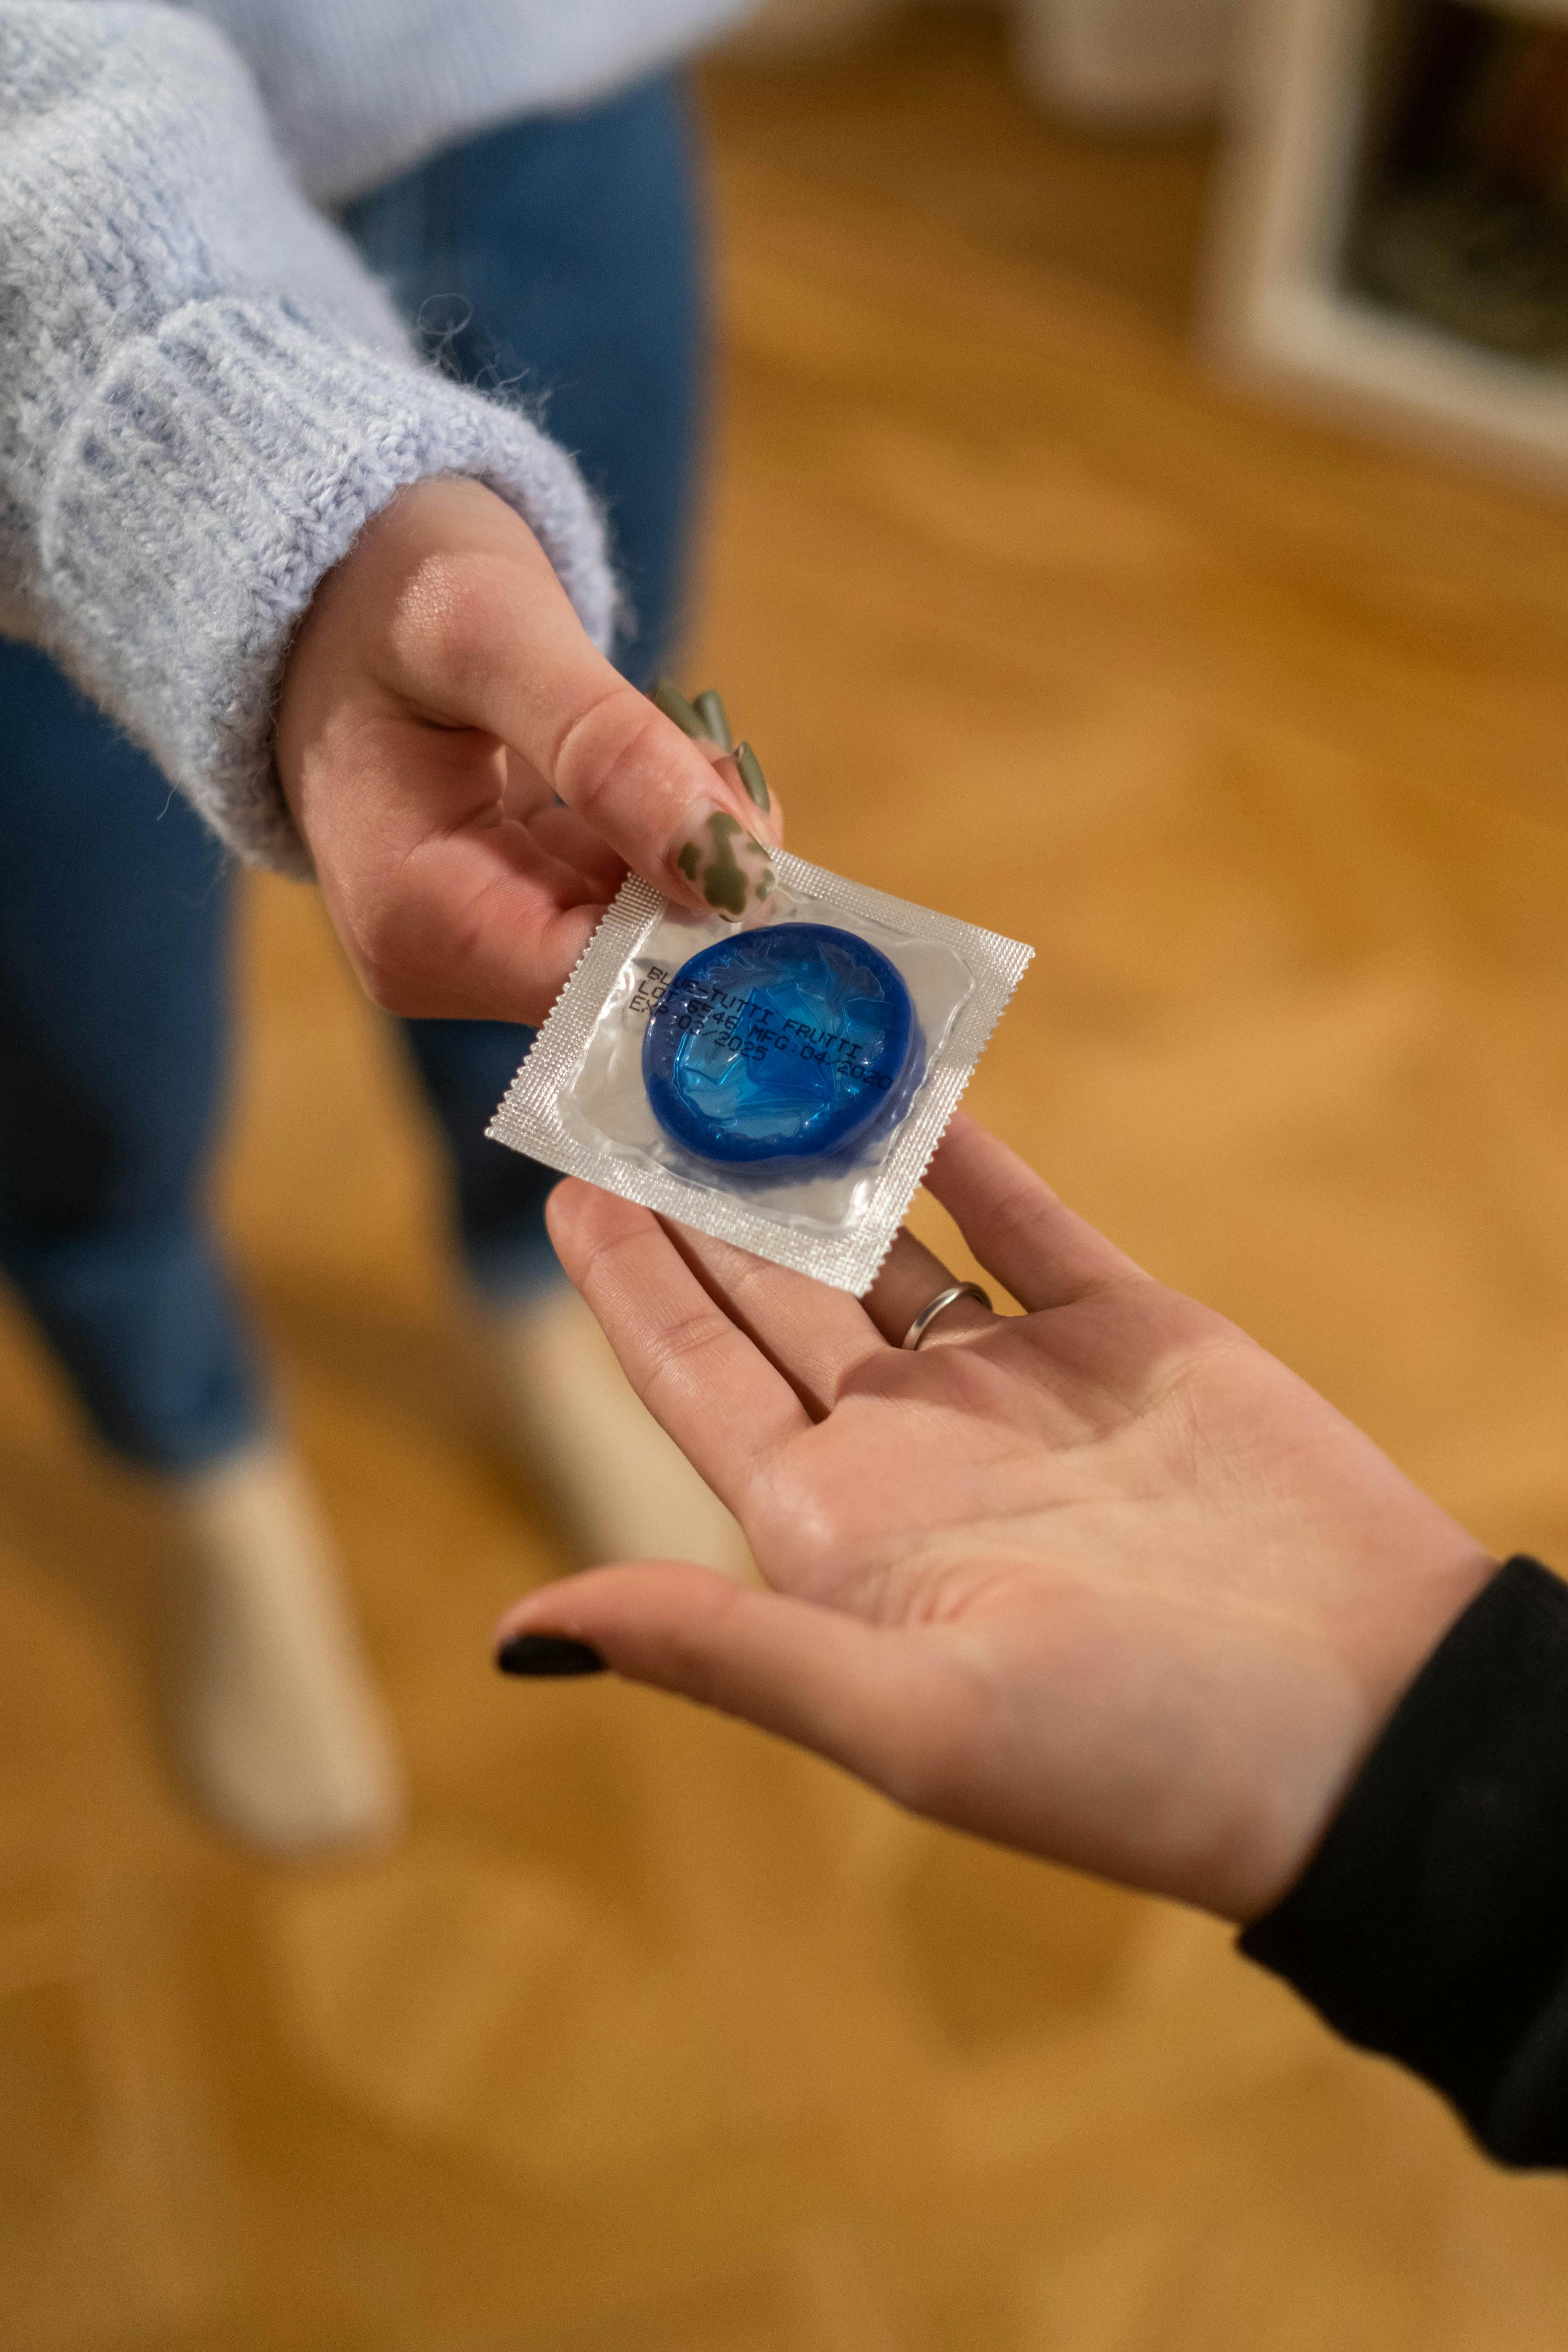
x=562 y=254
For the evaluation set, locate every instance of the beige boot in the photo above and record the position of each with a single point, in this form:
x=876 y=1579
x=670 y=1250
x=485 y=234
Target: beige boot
x=622 y=1490
x=273 y=1712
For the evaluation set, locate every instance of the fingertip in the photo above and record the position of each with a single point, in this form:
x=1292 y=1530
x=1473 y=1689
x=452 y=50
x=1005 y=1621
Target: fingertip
x=566 y=1203
x=543 y=1611
x=580 y=1216
x=611 y=1614
x=962 y=1138
x=758 y=807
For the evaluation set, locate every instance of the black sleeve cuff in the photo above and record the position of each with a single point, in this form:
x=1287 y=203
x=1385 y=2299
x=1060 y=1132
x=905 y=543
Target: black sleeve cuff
x=1432 y=1923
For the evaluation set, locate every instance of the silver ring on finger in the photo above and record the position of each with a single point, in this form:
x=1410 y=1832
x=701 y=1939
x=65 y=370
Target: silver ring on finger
x=939 y=1306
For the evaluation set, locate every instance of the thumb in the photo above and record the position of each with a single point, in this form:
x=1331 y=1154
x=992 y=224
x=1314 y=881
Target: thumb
x=866 y=1697
x=504 y=649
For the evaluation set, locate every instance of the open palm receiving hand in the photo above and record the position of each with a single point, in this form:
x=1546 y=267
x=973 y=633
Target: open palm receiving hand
x=1103 y=1580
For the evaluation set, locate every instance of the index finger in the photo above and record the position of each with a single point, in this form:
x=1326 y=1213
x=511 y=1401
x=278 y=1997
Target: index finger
x=1032 y=1242
x=701 y=1378
x=818 y=1337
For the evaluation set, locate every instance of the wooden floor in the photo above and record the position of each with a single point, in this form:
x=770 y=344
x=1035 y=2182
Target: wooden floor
x=656 y=2038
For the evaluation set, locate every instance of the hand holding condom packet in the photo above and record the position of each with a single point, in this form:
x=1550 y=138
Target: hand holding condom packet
x=780 y=1082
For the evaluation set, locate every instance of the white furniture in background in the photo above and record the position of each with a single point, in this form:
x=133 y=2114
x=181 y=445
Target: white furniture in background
x=1305 y=83
x=1280 y=311
x=1133 y=64
x=1127 y=64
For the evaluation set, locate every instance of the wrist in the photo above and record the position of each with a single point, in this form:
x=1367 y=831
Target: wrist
x=1366 y=1666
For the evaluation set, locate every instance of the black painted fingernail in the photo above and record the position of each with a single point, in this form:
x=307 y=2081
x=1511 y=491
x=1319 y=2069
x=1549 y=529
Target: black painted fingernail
x=751 y=776
x=674 y=705
x=710 y=708
x=542 y=1655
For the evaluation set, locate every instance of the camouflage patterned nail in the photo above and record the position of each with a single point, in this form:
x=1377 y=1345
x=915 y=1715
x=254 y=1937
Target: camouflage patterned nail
x=710 y=708
x=727 y=867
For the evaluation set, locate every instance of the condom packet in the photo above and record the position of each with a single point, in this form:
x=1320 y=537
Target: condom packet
x=780 y=1082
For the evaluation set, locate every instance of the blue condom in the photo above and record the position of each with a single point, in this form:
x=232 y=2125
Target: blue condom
x=781 y=1046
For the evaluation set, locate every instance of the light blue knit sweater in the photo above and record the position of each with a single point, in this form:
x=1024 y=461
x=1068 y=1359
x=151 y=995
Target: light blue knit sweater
x=202 y=398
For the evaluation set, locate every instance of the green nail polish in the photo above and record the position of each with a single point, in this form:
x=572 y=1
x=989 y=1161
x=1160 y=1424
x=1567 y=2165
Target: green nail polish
x=725 y=884
x=726 y=863
x=710 y=708
x=674 y=705
x=751 y=776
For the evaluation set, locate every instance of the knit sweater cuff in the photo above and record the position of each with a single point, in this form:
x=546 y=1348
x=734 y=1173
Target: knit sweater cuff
x=222 y=466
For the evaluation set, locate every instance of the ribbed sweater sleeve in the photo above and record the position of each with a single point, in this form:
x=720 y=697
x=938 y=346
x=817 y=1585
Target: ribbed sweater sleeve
x=1432 y=1923
x=203 y=398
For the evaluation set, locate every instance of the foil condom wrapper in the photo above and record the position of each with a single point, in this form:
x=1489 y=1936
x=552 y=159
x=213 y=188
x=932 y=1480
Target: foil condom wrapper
x=780 y=1084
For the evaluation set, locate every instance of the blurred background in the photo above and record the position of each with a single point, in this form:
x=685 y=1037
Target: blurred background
x=655 y=2037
